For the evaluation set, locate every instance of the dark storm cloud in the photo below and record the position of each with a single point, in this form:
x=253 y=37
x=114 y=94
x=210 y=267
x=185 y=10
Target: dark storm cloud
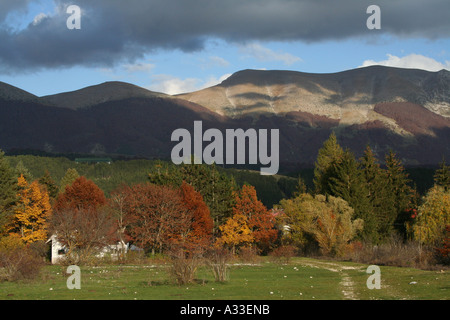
x=8 y=6
x=123 y=30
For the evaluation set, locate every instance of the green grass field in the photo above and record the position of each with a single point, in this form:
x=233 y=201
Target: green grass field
x=301 y=279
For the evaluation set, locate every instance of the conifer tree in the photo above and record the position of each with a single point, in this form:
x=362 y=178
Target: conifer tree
x=8 y=190
x=22 y=170
x=442 y=176
x=47 y=181
x=400 y=192
x=70 y=176
x=331 y=152
x=381 y=201
x=347 y=182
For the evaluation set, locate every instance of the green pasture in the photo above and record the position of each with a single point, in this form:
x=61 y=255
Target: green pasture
x=300 y=279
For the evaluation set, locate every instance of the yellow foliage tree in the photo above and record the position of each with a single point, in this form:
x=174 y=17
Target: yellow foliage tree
x=31 y=212
x=235 y=232
x=327 y=219
x=433 y=216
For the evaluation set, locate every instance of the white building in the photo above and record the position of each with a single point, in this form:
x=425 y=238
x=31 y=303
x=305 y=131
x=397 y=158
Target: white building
x=59 y=251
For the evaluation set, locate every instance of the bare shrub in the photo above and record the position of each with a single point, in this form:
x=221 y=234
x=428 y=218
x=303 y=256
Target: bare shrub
x=84 y=232
x=283 y=254
x=249 y=254
x=19 y=264
x=184 y=264
x=395 y=252
x=218 y=260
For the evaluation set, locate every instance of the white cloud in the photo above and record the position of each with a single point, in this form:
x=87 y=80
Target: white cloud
x=173 y=85
x=37 y=19
x=260 y=53
x=412 y=61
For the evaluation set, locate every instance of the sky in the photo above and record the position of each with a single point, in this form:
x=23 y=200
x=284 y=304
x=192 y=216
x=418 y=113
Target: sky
x=176 y=46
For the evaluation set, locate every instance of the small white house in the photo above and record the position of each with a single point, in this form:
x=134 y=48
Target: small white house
x=58 y=250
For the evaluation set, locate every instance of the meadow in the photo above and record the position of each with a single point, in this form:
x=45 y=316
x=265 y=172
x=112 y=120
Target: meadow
x=300 y=279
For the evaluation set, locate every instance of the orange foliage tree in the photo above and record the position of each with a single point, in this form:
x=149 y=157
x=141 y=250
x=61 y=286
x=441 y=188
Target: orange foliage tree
x=260 y=220
x=31 y=212
x=200 y=225
x=81 y=194
x=155 y=215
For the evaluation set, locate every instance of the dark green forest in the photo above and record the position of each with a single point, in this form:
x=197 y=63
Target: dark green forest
x=270 y=189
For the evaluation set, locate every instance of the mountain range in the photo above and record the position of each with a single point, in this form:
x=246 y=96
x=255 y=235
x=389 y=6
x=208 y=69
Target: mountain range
x=406 y=110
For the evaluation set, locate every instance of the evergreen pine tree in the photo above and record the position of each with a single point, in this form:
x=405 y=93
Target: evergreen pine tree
x=346 y=181
x=165 y=174
x=216 y=189
x=379 y=194
x=47 y=181
x=22 y=170
x=400 y=192
x=442 y=176
x=70 y=176
x=330 y=153
x=8 y=191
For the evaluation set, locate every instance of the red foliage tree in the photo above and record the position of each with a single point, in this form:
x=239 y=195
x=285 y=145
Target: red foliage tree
x=82 y=194
x=156 y=215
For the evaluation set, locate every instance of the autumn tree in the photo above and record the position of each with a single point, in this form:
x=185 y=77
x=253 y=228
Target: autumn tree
x=81 y=194
x=156 y=214
x=292 y=220
x=216 y=188
x=81 y=221
x=329 y=220
x=251 y=222
x=84 y=232
x=235 y=232
x=201 y=224
x=31 y=212
x=260 y=220
x=433 y=216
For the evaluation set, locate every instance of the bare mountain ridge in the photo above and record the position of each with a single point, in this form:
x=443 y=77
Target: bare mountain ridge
x=348 y=96
x=389 y=108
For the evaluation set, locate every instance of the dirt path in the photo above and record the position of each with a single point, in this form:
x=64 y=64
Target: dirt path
x=347 y=284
